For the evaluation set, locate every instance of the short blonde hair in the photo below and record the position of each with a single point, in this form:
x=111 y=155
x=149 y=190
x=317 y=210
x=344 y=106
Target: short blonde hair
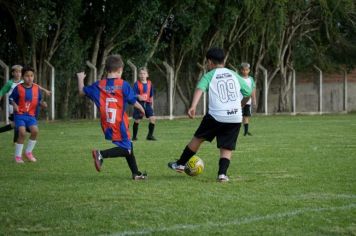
x=16 y=67
x=143 y=68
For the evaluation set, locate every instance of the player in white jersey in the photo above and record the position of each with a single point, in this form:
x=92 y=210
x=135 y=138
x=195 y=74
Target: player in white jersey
x=224 y=116
x=247 y=111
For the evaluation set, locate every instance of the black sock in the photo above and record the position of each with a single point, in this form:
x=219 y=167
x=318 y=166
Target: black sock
x=5 y=128
x=223 y=165
x=120 y=152
x=16 y=135
x=186 y=155
x=245 y=129
x=135 y=129
x=114 y=152
x=131 y=161
x=151 y=128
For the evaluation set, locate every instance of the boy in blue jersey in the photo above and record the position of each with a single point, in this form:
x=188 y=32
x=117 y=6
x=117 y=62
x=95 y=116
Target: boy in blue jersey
x=111 y=95
x=228 y=92
x=26 y=99
x=16 y=71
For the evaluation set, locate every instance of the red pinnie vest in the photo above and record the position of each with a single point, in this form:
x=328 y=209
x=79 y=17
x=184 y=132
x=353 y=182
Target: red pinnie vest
x=147 y=93
x=29 y=106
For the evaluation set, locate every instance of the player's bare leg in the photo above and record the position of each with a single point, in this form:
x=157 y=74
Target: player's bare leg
x=19 y=144
x=31 y=144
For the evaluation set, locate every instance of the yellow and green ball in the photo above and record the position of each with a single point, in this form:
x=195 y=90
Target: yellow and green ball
x=194 y=167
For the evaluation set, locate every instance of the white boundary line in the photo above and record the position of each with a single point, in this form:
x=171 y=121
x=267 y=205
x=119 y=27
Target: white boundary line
x=241 y=221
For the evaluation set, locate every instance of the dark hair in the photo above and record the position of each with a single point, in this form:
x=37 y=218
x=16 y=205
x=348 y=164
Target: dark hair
x=113 y=63
x=27 y=68
x=216 y=55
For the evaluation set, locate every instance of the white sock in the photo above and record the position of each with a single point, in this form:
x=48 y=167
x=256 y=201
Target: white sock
x=18 y=150
x=30 y=145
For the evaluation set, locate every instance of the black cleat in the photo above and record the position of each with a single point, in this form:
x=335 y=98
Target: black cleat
x=151 y=138
x=174 y=166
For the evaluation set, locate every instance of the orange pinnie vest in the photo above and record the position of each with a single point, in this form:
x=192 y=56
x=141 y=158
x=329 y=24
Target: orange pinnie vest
x=147 y=93
x=29 y=106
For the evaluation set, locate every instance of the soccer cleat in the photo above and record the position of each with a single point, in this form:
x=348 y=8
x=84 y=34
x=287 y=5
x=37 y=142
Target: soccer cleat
x=98 y=159
x=134 y=139
x=223 y=178
x=248 y=133
x=30 y=157
x=176 y=167
x=19 y=160
x=140 y=176
x=151 y=138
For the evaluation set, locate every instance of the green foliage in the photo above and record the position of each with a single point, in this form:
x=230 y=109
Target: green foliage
x=295 y=180
x=325 y=37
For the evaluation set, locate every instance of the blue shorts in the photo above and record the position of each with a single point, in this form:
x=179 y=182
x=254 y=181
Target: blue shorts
x=25 y=120
x=148 y=111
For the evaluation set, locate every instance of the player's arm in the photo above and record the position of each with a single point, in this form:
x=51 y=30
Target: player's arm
x=4 y=90
x=13 y=98
x=81 y=77
x=138 y=106
x=43 y=103
x=253 y=97
x=48 y=92
x=196 y=97
x=245 y=90
x=151 y=96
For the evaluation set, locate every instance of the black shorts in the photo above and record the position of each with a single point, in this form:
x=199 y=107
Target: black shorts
x=148 y=111
x=246 y=110
x=11 y=117
x=226 y=133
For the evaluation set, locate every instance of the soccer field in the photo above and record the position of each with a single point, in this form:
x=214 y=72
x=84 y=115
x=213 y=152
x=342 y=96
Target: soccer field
x=295 y=176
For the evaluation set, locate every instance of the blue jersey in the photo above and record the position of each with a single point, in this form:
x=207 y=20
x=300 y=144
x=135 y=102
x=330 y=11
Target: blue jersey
x=111 y=97
x=27 y=99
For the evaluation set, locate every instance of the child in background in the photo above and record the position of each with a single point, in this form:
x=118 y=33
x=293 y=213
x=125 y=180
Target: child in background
x=7 y=89
x=246 y=110
x=144 y=90
x=26 y=100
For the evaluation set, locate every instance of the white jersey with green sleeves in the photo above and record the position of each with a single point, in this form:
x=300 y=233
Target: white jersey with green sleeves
x=251 y=83
x=226 y=89
x=8 y=88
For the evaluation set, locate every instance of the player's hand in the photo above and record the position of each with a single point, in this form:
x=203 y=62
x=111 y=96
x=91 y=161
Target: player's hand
x=15 y=107
x=44 y=104
x=142 y=112
x=191 y=112
x=142 y=97
x=81 y=75
x=48 y=93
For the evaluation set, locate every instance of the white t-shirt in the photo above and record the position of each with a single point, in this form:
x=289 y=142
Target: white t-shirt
x=226 y=89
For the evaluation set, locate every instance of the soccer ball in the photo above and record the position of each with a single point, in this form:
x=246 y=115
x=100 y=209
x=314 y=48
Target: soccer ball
x=194 y=166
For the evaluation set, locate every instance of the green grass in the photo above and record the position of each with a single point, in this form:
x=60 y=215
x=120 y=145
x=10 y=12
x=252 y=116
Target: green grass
x=295 y=176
